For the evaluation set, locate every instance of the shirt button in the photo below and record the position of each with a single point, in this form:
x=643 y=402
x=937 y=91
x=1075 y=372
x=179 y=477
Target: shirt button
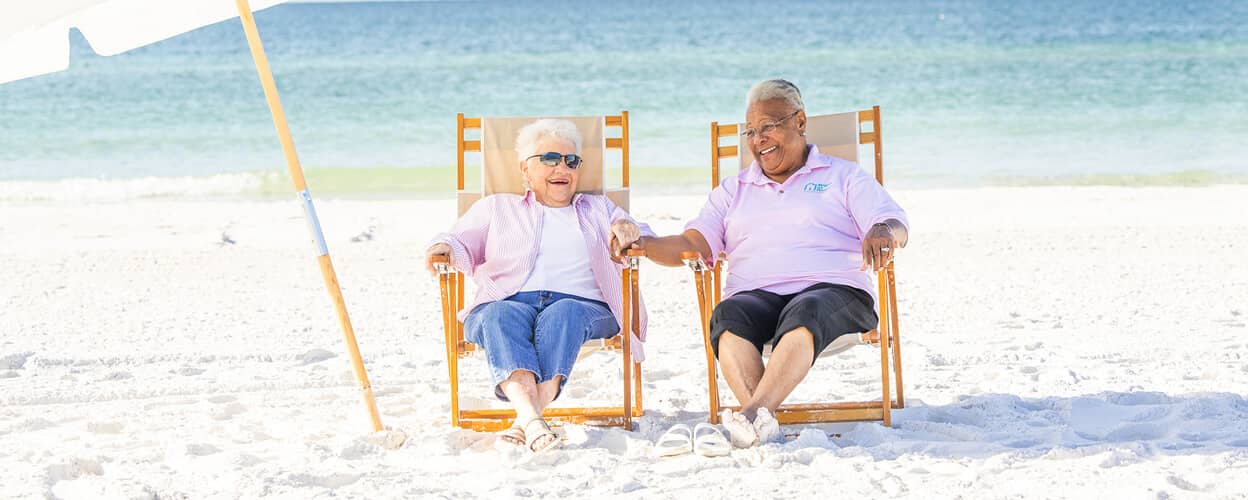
x=781 y=191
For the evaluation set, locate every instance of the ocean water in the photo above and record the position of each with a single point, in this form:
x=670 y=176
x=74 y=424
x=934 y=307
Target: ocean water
x=972 y=92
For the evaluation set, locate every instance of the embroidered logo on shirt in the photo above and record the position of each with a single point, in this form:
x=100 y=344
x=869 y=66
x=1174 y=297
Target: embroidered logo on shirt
x=814 y=187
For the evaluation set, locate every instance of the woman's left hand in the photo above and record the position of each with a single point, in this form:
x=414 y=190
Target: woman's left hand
x=878 y=247
x=623 y=234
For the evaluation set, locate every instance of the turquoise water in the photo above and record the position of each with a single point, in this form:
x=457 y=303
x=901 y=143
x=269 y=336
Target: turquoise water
x=972 y=92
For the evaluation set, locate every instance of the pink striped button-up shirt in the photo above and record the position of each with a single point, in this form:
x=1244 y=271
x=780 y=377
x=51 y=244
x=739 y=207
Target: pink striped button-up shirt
x=497 y=240
x=784 y=237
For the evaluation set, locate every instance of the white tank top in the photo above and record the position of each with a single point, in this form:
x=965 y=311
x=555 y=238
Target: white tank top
x=562 y=257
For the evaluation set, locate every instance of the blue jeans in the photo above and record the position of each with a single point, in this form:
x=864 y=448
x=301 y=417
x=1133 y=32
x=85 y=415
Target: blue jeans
x=539 y=332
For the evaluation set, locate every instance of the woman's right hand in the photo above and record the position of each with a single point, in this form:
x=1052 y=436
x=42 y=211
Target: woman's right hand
x=442 y=249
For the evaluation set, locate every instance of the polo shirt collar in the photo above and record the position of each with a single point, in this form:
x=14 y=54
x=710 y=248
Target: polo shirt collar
x=755 y=175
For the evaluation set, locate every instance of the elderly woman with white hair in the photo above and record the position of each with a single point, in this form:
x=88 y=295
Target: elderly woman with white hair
x=801 y=230
x=547 y=269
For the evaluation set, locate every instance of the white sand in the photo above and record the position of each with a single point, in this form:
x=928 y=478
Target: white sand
x=1058 y=342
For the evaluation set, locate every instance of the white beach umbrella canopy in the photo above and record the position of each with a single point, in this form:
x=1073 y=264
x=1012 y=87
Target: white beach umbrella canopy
x=34 y=40
x=34 y=35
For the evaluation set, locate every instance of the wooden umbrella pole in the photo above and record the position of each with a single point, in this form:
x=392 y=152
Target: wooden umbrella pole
x=301 y=188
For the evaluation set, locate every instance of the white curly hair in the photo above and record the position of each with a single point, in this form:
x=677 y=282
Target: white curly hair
x=532 y=134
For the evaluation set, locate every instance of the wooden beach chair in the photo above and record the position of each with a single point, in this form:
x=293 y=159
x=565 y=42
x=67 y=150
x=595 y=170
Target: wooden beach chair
x=500 y=174
x=837 y=135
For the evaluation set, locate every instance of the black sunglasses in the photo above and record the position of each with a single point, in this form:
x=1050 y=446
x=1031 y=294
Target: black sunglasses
x=552 y=158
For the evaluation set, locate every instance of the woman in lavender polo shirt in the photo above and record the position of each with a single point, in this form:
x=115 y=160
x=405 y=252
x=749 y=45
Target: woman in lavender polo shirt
x=801 y=231
x=547 y=271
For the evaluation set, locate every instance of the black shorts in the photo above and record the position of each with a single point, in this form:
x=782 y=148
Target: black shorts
x=827 y=310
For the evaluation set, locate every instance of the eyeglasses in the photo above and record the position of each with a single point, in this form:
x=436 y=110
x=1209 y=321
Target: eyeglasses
x=551 y=159
x=766 y=128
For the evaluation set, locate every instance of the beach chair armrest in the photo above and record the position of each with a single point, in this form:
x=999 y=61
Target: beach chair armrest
x=442 y=264
x=693 y=260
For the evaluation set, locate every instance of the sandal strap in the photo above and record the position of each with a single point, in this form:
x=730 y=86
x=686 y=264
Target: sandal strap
x=530 y=438
x=540 y=421
x=514 y=434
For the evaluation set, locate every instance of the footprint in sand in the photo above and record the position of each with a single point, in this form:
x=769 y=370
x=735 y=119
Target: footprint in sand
x=116 y=376
x=201 y=449
x=1150 y=413
x=314 y=356
x=189 y=371
x=332 y=481
x=105 y=427
x=73 y=468
x=229 y=407
x=1023 y=443
x=359 y=449
x=34 y=424
x=1183 y=484
x=15 y=361
x=1139 y=398
x=1136 y=432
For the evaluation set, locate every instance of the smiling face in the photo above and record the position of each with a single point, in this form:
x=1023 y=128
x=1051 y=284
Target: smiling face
x=781 y=151
x=552 y=186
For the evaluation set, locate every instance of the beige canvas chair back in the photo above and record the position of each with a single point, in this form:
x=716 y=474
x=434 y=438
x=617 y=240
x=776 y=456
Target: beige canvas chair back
x=500 y=163
x=834 y=135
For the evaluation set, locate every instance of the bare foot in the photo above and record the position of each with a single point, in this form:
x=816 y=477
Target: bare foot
x=740 y=429
x=766 y=426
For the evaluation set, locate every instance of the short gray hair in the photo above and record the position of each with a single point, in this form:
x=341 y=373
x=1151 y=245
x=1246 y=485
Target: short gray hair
x=532 y=134
x=775 y=89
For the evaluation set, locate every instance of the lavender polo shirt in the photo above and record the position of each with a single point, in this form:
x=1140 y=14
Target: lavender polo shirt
x=785 y=237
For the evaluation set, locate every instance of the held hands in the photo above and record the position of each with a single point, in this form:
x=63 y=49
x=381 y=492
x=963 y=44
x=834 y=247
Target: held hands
x=624 y=234
x=878 y=247
x=437 y=249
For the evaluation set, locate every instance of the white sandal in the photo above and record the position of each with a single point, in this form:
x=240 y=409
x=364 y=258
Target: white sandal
x=709 y=441
x=543 y=431
x=676 y=441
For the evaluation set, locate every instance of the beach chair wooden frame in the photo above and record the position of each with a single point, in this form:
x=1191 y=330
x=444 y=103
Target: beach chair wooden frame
x=708 y=284
x=451 y=283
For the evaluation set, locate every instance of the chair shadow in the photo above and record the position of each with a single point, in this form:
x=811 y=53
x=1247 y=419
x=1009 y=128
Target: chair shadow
x=979 y=426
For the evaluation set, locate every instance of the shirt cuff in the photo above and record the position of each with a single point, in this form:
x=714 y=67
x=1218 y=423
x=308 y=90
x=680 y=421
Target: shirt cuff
x=646 y=231
x=880 y=219
x=716 y=244
x=459 y=253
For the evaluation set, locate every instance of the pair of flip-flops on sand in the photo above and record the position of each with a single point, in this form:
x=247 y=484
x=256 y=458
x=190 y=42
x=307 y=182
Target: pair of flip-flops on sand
x=707 y=440
x=703 y=439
